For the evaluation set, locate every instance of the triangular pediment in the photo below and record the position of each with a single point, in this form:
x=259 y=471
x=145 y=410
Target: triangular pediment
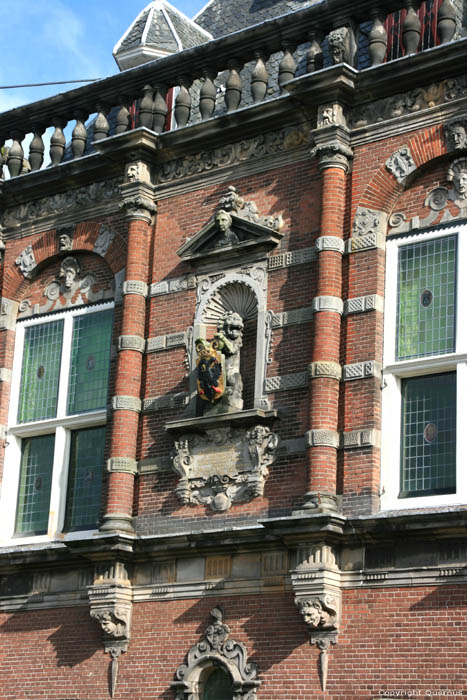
x=233 y=231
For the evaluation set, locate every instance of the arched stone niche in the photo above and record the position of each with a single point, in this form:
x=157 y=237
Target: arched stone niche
x=216 y=651
x=242 y=291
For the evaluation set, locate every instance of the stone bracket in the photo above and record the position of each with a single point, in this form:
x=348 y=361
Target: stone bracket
x=371 y=302
x=131 y=342
x=375 y=239
x=135 y=287
x=126 y=403
x=322 y=438
x=292 y=257
x=330 y=243
x=361 y=438
x=330 y=370
x=361 y=370
x=124 y=465
x=326 y=303
x=166 y=342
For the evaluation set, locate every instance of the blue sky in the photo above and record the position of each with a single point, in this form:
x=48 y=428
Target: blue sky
x=47 y=40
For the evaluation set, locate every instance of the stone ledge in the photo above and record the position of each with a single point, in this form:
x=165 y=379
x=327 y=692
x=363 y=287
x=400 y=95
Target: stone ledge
x=239 y=418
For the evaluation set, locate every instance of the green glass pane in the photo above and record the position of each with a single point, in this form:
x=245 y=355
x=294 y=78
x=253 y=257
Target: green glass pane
x=426 y=303
x=428 y=435
x=84 y=478
x=40 y=372
x=218 y=686
x=90 y=359
x=32 y=513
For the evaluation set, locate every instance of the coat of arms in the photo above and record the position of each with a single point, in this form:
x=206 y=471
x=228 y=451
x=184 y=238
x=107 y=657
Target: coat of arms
x=210 y=372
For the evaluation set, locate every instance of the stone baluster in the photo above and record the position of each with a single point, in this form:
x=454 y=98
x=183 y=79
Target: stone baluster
x=146 y=107
x=101 y=125
x=259 y=78
x=79 y=135
x=411 y=28
x=36 y=148
x=233 y=86
x=159 y=108
x=16 y=154
x=207 y=95
x=57 y=141
x=122 y=123
x=183 y=101
x=287 y=67
x=446 y=21
x=377 y=38
x=2 y=158
x=314 y=56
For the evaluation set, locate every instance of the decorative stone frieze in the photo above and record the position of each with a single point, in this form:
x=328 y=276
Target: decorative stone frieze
x=289 y=318
x=26 y=262
x=164 y=571
x=216 y=650
x=366 y=242
x=275 y=562
x=328 y=304
x=131 y=342
x=263 y=145
x=401 y=164
x=331 y=370
x=137 y=171
x=330 y=243
x=315 y=555
x=356 y=305
x=159 y=403
x=125 y=465
x=5 y=374
x=8 y=313
x=330 y=114
x=59 y=204
x=178 y=284
x=361 y=370
x=322 y=438
x=104 y=240
x=292 y=257
x=135 y=287
x=361 y=438
x=321 y=615
x=224 y=466
x=286 y=382
x=111 y=607
x=138 y=201
x=126 y=403
x=369 y=221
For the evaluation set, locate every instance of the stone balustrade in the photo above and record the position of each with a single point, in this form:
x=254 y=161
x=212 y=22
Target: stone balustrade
x=241 y=69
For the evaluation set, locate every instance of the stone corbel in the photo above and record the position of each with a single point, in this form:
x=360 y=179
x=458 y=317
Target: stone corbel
x=110 y=599
x=316 y=584
x=138 y=200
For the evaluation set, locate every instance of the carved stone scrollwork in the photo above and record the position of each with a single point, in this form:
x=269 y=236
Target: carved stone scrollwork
x=401 y=164
x=333 y=154
x=342 y=45
x=320 y=614
x=111 y=607
x=216 y=651
x=224 y=466
x=138 y=200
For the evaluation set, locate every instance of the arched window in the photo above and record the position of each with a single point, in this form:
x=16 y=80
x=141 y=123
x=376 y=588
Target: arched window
x=218 y=686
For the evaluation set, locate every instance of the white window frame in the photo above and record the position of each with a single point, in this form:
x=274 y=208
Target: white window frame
x=395 y=371
x=62 y=426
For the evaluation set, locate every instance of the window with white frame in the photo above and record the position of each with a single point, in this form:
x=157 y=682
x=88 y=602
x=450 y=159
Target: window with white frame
x=56 y=433
x=425 y=376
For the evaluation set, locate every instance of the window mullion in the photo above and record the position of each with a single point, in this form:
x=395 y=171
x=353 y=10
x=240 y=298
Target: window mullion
x=65 y=366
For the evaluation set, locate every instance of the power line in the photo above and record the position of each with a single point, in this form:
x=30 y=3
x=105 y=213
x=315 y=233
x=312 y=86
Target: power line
x=59 y=82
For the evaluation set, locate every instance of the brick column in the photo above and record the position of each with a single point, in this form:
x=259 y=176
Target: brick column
x=138 y=204
x=325 y=370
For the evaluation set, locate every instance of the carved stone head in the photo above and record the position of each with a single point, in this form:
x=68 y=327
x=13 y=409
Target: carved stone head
x=69 y=272
x=231 y=324
x=457 y=174
x=456 y=134
x=65 y=239
x=223 y=220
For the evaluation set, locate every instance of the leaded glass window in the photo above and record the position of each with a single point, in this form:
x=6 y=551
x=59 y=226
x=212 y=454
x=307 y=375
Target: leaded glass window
x=84 y=478
x=426 y=303
x=218 y=686
x=32 y=514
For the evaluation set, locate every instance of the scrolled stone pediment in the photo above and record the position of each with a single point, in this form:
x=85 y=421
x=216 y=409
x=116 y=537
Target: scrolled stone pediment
x=235 y=229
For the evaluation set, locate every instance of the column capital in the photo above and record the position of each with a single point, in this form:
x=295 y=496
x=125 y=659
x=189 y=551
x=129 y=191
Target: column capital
x=138 y=201
x=332 y=143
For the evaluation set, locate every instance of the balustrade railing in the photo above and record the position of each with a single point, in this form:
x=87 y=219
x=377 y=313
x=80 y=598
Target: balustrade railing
x=244 y=68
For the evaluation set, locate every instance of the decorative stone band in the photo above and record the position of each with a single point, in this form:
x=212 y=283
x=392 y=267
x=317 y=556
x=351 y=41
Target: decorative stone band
x=289 y=318
x=372 y=302
x=361 y=370
x=328 y=304
x=178 y=284
x=165 y=342
x=8 y=312
x=5 y=374
x=293 y=257
x=161 y=463
x=126 y=403
x=131 y=342
x=361 y=438
x=293 y=446
x=330 y=243
x=158 y=403
x=330 y=370
x=135 y=287
x=322 y=438
x=286 y=381
x=122 y=464
x=375 y=239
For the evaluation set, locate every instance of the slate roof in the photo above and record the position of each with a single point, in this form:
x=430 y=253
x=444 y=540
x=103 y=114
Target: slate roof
x=221 y=17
